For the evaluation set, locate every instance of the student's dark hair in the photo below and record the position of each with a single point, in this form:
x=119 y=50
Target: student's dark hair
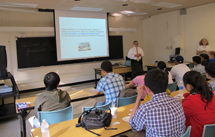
x=200 y=86
x=210 y=69
x=197 y=59
x=107 y=66
x=212 y=53
x=156 y=80
x=162 y=65
x=135 y=41
x=200 y=42
x=51 y=81
x=205 y=56
x=136 y=70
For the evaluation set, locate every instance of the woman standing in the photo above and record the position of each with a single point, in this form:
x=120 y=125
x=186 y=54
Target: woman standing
x=203 y=47
x=199 y=103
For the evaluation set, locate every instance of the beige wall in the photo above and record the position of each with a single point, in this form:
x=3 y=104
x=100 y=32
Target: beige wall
x=70 y=73
x=158 y=30
x=153 y=34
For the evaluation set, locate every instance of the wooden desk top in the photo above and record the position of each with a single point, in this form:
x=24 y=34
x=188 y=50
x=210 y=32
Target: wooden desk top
x=68 y=129
x=73 y=95
x=177 y=92
x=168 y=65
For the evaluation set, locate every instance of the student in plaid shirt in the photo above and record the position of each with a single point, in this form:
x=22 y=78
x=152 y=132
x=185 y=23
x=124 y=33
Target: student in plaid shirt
x=112 y=84
x=162 y=116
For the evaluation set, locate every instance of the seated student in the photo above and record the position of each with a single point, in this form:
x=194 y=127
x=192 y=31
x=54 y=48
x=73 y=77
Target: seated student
x=53 y=98
x=212 y=56
x=204 y=58
x=139 y=77
x=210 y=74
x=179 y=69
x=198 y=67
x=198 y=104
x=162 y=66
x=163 y=115
x=111 y=83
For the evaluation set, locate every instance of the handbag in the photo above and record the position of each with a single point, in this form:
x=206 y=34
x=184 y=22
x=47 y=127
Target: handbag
x=95 y=118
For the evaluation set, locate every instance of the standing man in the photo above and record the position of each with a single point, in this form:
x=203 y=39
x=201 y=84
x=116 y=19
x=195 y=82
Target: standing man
x=136 y=54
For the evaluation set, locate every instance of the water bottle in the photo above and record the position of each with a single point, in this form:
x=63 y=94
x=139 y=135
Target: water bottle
x=181 y=91
x=45 y=129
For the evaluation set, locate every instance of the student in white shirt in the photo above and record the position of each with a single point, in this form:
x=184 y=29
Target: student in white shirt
x=136 y=54
x=198 y=67
x=179 y=69
x=203 y=47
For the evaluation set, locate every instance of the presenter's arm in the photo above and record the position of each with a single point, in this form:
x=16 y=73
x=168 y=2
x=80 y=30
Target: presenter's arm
x=141 y=52
x=131 y=54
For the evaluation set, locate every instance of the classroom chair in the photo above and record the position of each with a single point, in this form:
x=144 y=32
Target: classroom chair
x=187 y=132
x=204 y=76
x=209 y=130
x=104 y=107
x=57 y=116
x=191 y=65
x=172 y=87
x=122 y=101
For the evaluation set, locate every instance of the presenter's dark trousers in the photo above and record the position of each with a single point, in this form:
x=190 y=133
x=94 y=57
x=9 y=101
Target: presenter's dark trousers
x=134 y=67
x=135 y=61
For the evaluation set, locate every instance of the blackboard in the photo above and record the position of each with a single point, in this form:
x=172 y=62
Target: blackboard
x=41 y=51
x=36 y=52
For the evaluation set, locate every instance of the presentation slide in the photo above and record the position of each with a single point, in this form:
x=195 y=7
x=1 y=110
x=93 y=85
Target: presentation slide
x=81 y=37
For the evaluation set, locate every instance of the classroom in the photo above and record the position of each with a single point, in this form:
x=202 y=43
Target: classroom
x=154 y=33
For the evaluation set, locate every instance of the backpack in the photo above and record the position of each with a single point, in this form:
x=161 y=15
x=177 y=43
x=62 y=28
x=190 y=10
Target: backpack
x=95 y=118
x=127 y=92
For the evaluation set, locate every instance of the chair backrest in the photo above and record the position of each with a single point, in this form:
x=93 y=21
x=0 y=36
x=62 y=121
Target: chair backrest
x=191 y=65
x=172 y=87
x=209 y=130
x=187 y=132
x=57 y=116
x=122 y=101
x=204 y=76
x=127 y=63
x=104 y=107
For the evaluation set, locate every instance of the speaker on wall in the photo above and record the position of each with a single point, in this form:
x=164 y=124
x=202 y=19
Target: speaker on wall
x=3 y=61
x=183 y=11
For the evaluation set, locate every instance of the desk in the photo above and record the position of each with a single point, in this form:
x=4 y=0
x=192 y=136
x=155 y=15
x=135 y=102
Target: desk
x=68 y=129
x=168 y=65
x=75 y=95
x=116 y=69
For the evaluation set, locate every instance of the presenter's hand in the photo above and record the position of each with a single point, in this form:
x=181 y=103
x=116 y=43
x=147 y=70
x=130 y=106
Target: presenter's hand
x=135 y=55
x=139 y=55
x=203 y=51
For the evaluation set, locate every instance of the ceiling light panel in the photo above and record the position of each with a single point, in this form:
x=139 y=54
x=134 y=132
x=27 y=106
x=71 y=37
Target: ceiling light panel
x=20 y=5
x=86 y=9
x=167 y=4
x=141 y=1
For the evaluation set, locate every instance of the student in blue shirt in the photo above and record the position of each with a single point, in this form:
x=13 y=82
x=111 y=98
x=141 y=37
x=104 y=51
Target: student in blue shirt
x=212 y=56
x=111 y=83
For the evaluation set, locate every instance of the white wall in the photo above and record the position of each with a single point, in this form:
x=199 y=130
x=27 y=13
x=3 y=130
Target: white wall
x=158 y=30
x=70 y=73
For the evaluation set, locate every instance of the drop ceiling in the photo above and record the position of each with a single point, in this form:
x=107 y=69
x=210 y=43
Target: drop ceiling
x=138 y=7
